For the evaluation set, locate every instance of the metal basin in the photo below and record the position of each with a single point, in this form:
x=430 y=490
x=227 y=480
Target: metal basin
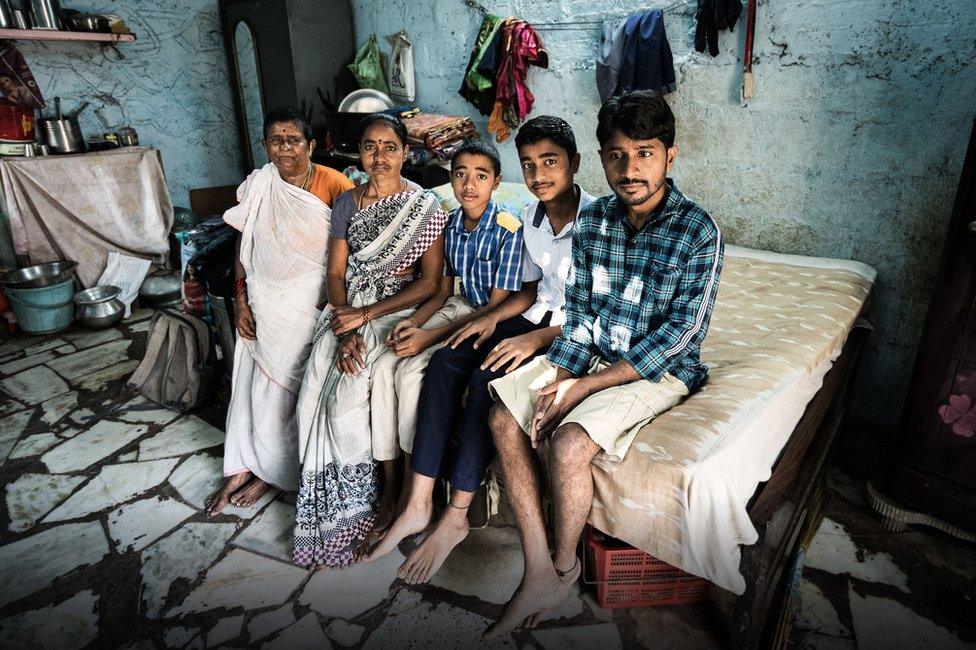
x=159 y=291
x=41 y=275
x=99 y=307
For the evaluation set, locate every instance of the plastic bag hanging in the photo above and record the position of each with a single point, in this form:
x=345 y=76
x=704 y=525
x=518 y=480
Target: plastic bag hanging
x=367 y=68
x=401 y=79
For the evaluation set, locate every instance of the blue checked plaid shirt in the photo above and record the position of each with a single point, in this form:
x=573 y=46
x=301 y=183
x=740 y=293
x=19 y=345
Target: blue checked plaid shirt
x=644 y=297
x=488 y=257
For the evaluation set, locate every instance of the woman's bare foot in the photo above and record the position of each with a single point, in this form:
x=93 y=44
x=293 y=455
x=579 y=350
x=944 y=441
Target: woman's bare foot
x=250 y=493
x=427 y=558
x=536 y=594
x=219 y=499
x=413 y=519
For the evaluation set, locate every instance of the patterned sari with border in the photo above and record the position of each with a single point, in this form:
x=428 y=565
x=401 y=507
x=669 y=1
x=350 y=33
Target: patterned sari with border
x=339 y=484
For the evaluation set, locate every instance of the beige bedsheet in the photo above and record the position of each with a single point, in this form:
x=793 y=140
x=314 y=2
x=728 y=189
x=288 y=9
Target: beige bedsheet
x=680 y=494
x=81 y=207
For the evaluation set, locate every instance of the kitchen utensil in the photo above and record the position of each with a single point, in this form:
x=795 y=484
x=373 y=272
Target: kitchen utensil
x=89 y=23
x=46 y=14
x=365 y=100
x=99 y=307
x=29 y=150
x=62 y=133
x=128 y=137
x=6 y=15
x=161 y=290
x=40 y=275
x=20 y=19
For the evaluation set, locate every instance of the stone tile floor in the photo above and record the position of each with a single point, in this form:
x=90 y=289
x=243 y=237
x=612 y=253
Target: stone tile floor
x=103 y=544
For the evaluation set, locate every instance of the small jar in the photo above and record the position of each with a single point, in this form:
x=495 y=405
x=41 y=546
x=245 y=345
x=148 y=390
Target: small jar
x=128 y=137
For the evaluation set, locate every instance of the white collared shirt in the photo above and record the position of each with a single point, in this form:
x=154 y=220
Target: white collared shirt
x=548 y=258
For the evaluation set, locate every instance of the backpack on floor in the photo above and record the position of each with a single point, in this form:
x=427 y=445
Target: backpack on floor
x=178 y=370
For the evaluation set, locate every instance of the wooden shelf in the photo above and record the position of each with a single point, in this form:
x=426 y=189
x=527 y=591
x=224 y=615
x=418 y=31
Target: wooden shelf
x=59 y=35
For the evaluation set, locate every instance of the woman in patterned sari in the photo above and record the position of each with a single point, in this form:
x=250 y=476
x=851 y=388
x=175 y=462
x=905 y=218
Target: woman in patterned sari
x=386 y=255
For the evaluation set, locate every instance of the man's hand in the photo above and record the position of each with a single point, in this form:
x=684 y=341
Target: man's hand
x=352 y=354
x=412 y=341
x=244 y=319
x=394 y=334
x=513 y=351
x=482 y=327
x=556 y=401
x=345 y=319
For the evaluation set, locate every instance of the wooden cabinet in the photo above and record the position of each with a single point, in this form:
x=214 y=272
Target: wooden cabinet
x=934 y=462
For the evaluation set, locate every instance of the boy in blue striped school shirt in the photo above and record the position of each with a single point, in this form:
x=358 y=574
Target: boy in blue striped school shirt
x=483 y=249
x=455 y=400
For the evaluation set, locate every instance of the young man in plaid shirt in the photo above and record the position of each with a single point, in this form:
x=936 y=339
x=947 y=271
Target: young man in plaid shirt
x=646 y=265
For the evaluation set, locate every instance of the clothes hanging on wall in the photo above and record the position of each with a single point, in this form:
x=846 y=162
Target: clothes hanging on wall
x=634 y=55
x=478 y=87
x=713 y=16
x=521 y=47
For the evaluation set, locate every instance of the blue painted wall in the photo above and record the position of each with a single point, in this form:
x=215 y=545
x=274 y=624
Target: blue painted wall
x=852 y=146
x=172 y=87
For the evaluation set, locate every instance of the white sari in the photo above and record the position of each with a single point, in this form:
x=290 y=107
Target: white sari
x=284 y=239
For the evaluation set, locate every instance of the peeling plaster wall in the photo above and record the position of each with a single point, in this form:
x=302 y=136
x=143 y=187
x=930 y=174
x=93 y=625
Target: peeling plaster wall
x=172 y=87
x=851 y=148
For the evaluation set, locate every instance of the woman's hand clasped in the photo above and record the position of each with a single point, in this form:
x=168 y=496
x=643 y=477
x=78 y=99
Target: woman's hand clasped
x=351 y=357
x=345 y=319
x=244 y=320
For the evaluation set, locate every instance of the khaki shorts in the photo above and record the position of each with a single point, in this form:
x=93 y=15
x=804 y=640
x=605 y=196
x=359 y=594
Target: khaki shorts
x=611 y=417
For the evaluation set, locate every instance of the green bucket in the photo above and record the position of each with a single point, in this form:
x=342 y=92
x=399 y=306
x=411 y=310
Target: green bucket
x=45 y=309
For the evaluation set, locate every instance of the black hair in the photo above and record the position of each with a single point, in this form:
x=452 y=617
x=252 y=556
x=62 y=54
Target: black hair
x=479 y=147
x=288 y=114
x=395 y=123
x=640 y=115
x=547 y=127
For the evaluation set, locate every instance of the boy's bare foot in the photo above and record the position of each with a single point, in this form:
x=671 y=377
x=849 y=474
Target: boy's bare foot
x=536 y=594
x=219 y=499
x=412 y=520
x=427 y=558
x=250 y=493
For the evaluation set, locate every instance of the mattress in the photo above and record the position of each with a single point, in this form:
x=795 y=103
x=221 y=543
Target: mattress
x=681 y=492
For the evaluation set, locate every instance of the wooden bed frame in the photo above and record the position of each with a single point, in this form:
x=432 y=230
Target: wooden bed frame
x=782 y=506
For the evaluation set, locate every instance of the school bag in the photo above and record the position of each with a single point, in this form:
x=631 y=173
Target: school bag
x=178 y=370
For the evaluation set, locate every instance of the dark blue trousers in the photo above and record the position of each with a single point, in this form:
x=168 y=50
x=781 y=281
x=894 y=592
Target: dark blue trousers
x=449 y=374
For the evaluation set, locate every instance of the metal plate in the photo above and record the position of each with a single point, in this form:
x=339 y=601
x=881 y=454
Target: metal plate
x=366 y=100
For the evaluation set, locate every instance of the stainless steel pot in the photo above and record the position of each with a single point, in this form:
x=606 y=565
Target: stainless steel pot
x=89 y=23
x=6 y=15
x=99 y=307
x=41 y=275
x=46 y=14
x=62 y=133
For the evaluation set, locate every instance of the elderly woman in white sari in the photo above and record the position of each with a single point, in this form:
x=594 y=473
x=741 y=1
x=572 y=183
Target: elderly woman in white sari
x=283 y=216
x=386 y=256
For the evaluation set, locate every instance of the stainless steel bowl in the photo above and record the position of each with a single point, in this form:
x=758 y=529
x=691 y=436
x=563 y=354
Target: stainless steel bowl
x=40 y=275
x=164 y=290
x=99 y=307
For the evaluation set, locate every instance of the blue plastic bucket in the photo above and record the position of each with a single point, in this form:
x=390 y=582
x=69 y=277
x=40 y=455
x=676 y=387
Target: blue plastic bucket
x=43 y=310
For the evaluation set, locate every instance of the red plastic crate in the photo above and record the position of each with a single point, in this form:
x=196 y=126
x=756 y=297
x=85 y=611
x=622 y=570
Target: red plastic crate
x=628 y=577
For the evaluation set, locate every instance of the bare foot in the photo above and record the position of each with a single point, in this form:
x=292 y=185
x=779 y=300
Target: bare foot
x=427 y=558
x=412 y=520
x=250 y=493
x=386 y=512
x=219 y=499
x=537 y=594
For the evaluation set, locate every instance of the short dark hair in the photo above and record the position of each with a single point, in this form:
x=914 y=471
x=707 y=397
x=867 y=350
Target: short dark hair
x=479 y=147
x=395 y=123
x=640 y=115
x=288 y=114
x=547 y=127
